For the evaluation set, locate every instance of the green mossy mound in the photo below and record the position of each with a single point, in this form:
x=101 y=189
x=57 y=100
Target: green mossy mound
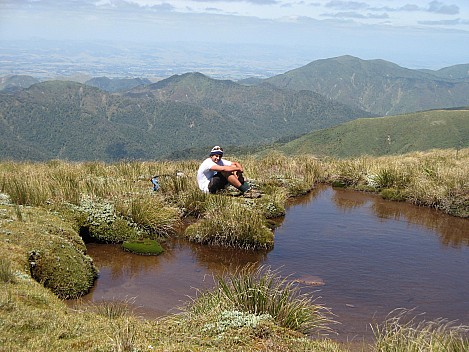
x=143 y=247
x=62 y=268
x=47 y=244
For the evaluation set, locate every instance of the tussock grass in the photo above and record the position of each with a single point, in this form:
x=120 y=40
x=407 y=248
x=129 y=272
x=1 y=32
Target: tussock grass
x=437 y=178
x=125 y=336
x=265 y=294
x=34 y=319
x=296 y=174
x=402 y=332
x=151 y=214
x=114 y=202
x=113 y=309
x=193 y=203
x=233 y=226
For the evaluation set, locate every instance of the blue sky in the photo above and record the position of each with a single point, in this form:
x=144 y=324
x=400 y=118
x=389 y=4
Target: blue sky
x=414 y=34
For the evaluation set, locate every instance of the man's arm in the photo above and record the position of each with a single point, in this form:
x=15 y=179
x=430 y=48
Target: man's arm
x=229 y=168
x=238 y=165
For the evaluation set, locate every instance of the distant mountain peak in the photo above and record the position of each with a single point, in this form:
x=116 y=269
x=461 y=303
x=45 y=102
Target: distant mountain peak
x=378 y=86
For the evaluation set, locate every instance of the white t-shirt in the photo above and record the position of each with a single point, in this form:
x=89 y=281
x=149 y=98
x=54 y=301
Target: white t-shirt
x=204 y=174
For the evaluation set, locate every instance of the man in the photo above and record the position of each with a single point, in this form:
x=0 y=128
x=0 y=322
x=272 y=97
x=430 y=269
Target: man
x=215 y=173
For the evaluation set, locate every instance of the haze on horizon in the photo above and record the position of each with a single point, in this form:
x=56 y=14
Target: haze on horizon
x=414 y=34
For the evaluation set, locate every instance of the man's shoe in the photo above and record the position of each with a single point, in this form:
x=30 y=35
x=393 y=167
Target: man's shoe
x=244 y=187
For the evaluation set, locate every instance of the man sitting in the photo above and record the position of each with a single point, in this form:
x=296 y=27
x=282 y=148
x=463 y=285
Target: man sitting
x=215 y=173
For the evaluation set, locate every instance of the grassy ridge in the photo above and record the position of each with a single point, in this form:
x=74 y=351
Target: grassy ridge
x=387 y=135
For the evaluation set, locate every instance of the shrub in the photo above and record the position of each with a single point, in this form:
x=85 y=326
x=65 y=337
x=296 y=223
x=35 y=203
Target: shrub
x=234 y=319
x=272 y=206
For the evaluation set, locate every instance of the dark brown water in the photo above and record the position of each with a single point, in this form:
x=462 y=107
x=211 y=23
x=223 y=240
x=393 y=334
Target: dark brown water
x=371 y=255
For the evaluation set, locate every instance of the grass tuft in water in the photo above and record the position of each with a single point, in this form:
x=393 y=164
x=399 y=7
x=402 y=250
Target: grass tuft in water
x=114 y=309
x=264 y=294
x=402 y=332
x=232 y=225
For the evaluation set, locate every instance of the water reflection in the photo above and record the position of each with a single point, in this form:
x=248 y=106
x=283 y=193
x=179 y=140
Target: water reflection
x=363 y=255
x=452 y=230
x=347 y=201
x=220 y=260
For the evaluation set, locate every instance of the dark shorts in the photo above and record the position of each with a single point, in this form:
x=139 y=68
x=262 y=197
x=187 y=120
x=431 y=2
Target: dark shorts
x=217 y=183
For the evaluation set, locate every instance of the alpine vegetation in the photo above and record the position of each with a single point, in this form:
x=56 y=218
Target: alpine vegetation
x=48 y=210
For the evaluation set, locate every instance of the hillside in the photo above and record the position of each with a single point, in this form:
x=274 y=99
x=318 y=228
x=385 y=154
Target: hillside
x=73 y=121
x=16 y=82
x=453 y=72
x=116 y=84
x=379 y=86
x=273 y=112
x=388 y=135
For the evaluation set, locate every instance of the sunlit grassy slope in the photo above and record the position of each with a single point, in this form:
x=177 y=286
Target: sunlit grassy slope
x=388 y=135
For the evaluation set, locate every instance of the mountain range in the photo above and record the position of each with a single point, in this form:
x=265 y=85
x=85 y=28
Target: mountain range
x=113 y=119
x=73 y=121
x=380 y=87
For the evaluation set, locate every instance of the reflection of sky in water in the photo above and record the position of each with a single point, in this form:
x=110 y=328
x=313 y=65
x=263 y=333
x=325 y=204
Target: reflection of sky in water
x=373 y=256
